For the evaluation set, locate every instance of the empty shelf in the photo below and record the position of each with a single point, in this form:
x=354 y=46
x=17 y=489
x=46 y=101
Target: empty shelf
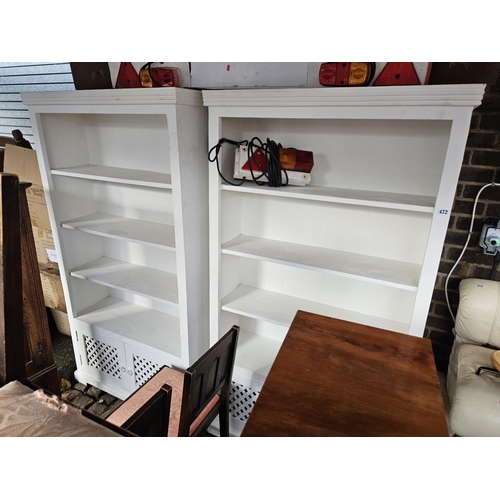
x=393 y=201
x=120 y=175
x=145 y=281
x=123 y=228
x=280 y=309
x=140 y=325
x=393 y=273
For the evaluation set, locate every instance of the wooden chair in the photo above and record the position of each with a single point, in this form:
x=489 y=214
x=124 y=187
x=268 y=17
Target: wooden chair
x=151 y=419
x=199 y=394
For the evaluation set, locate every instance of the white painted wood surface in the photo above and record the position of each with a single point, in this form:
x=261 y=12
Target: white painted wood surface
x=117 y=174
x=281 y=308
x=139 y=325
x=392 y=273
x=149 y=233
x=363 y=241
x=394 y=201
x=151 y=283
x=125 y=178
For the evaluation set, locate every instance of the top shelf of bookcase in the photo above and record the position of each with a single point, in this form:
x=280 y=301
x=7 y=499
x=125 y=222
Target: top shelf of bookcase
x=404 y=95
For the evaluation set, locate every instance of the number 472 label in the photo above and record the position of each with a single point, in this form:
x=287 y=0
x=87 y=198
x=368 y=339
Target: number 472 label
x=444 y=212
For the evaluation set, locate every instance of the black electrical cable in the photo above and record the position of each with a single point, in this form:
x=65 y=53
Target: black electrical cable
x=495 y=266
x=250 y=152
x=273 y=172
x=213 y=156
x=274 y=168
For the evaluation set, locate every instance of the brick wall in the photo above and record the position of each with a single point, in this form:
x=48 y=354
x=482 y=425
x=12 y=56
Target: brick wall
x=481 y=165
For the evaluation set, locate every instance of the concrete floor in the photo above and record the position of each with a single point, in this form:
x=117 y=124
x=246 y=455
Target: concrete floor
x=64 y=357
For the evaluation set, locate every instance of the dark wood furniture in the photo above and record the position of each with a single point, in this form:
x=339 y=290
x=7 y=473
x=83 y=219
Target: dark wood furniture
x=199 y=394
x=12 y=361
x=336 y=378
x=40 y=366
x=206 y=379
x=25 y=344
x=151 y=419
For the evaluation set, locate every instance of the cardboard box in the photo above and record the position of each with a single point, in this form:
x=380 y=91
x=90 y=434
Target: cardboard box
x=45 y=248
x=62 y=322
x=52 y=289
x=23 y=162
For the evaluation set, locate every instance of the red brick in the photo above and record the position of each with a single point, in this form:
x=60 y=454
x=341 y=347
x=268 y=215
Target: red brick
x=490 y=121
x=466 y=207
x=491 y=158
x=488 y=140
x=471 y=190
x=442 y=324
x=441 y=310
x=441 y=337
x=493 y=209
x=476 y=174
x=454 y=237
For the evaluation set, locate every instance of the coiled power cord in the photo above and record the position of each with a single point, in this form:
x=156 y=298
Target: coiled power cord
x=491 y=184
x=272 y=174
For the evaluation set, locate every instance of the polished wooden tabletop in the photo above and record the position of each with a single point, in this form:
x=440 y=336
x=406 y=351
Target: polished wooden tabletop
x=336 y=378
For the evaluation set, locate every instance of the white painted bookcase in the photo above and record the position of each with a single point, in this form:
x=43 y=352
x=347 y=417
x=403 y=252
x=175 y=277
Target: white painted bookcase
x=126 y=180
x=362 y=242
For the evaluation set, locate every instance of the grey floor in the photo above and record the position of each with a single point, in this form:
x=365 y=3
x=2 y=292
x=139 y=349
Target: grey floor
x=64 y=357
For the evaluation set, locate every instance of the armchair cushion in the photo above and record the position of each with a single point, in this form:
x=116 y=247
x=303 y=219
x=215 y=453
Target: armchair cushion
x=478 y=315
x=475 y=399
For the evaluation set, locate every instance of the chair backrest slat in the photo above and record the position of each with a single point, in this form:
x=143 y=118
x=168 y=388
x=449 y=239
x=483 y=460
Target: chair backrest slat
x=209 y=376
x=152 y=419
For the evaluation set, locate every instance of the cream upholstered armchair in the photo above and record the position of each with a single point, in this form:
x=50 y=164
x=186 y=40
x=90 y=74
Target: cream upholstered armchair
x=473 y=383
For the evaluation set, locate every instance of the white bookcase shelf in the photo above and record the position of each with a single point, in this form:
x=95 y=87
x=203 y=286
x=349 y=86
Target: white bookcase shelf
x=362 y=242
x=126 y=183
x=394 y=201
x=323 y=260
x=280 y=309
x=142 y=280
x=139 y=325
x=119 y=175
x=124 y=228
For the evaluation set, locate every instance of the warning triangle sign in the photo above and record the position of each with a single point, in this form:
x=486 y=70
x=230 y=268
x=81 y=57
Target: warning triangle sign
x=127 y=77
x=398 y=74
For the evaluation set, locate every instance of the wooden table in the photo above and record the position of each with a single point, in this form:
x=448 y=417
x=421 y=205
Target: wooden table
x=336 y=378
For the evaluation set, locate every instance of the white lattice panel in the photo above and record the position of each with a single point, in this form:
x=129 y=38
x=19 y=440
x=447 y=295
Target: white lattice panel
x=103 y=357
x=241 y=401
x=144 y=369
